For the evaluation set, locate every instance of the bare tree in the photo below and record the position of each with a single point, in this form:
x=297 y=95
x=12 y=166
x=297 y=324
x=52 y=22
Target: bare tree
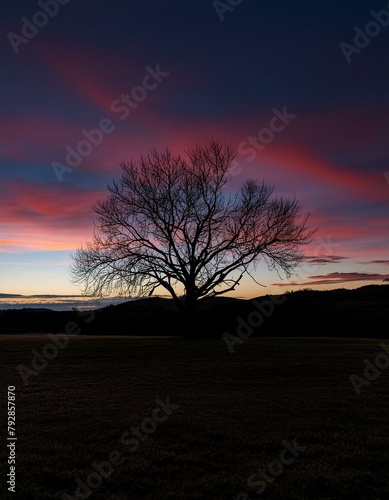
x=171 y=222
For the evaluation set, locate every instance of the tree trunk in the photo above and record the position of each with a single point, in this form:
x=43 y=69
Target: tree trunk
x=190 y=314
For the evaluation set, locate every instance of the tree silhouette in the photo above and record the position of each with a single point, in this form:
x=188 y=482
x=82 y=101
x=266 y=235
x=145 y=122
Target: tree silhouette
x=170 y=221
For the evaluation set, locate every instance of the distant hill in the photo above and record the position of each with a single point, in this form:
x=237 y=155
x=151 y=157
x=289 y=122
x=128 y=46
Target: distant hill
x=162 y=304
x=341 y=312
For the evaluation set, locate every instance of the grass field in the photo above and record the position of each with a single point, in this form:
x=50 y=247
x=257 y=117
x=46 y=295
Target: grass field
x=235 y=412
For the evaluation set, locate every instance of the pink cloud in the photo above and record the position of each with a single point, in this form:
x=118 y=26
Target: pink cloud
x=297 y=161
x=100 y=77
x=337 y=278
x=46 y=217
x=34 y=138
x=358 y=127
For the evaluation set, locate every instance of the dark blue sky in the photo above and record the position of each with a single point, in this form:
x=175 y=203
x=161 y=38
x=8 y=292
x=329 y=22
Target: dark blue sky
x=225 y=79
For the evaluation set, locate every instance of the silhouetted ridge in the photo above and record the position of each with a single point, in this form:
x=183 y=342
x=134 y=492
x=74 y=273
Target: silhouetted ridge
x=341 y=312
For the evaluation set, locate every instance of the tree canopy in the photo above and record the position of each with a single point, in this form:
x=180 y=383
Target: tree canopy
x=171 y=222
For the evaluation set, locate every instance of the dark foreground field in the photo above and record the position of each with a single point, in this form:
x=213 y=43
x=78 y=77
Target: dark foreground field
x=236 y=413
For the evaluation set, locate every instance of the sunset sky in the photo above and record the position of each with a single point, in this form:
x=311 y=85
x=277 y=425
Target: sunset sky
x=194 y=71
